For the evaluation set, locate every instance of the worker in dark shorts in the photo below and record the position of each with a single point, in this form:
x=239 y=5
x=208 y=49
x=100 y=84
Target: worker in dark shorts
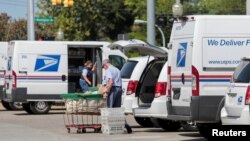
x=113 y=81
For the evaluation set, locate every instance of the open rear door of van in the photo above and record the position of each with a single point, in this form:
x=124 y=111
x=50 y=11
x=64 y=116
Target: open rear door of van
x=140 y=47
x=145 y=89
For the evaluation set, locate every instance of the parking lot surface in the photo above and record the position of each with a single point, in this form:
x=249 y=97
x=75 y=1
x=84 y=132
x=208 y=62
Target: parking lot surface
x=20 y=126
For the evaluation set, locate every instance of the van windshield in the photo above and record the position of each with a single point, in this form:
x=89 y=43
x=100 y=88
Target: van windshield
x=128 y=68
x=241 y=73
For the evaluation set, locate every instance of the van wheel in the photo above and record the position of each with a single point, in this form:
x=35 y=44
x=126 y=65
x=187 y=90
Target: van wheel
x=144 y=122
x=16 y=106
x=40 y=107
x=188 y=126
x=169 y=125
x=26 y=107
x=6 y=105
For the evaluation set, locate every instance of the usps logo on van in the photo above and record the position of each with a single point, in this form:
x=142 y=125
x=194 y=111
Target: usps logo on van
x=47 y=63
x=181 y=55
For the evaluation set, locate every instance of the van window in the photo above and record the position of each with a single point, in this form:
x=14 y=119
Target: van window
x=117 y=61
x=241 y=74
x=128 y=68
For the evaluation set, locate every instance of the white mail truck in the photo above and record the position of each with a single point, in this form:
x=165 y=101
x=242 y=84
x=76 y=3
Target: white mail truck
x=38 y=72
x=204 y=52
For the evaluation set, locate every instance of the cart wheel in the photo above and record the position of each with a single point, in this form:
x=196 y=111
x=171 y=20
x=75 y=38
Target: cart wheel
x=79 y=130
x=83 y=130
x=97 y=130
x=68 y=130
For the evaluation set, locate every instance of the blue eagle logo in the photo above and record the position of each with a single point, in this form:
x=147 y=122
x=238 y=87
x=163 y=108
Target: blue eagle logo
x=47 y=63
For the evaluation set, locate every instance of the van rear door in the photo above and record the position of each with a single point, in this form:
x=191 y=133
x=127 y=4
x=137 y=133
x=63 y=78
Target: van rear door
x=8 y=75
x=181 y=75
x=3 y=60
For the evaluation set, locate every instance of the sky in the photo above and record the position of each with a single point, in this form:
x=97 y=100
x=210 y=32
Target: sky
x=15 y=8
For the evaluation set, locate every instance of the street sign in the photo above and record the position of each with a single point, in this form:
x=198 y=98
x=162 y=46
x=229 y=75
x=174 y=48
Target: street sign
x=44 y=19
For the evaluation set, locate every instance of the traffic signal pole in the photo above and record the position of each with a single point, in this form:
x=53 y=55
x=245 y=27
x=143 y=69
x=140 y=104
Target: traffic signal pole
x=151 y=22
x=30 y=21
x=247 y=7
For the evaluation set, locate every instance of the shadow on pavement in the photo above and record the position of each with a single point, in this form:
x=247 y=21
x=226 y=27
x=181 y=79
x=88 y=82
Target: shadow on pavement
x=136 y=126
x=26 y=114
x=152 y=130
x=191 y=134
x=199 y=137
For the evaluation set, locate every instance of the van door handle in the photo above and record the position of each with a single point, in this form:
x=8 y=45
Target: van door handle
x=23 y=72
x=63 y=77
x=183 y=78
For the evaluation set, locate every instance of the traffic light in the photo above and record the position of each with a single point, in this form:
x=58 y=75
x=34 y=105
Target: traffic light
x=71 y=2
x=56 y=2
x=68 y=3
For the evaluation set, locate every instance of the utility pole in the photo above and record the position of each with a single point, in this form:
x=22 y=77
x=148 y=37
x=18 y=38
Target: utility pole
x=30 y=20
x=151 y=22
x=247 y=7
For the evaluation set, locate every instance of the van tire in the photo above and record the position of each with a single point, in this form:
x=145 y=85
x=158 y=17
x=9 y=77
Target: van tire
x=144 y=122
x=188 y=126
x=26 y=107
x=40 y=107
x=16 y=106
x=169 y=125
x=6 y=105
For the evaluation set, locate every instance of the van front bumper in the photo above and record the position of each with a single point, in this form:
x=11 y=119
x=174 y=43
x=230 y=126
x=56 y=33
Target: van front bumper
x=158 y=109
x=206 y=108
x=243 y=119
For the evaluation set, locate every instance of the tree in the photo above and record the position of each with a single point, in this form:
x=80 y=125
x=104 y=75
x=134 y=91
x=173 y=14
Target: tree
x=191 y=7
x=12 y=29
x=88 y=19
x=223 y=7
x=163 y=11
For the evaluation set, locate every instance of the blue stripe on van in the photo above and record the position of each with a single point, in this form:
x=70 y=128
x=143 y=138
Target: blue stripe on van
x=204 y=80
x=214 y=80
x=38 y=78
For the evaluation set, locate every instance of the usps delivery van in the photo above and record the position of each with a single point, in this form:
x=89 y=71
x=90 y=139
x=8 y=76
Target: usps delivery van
x=39 y=72
x=204 y=52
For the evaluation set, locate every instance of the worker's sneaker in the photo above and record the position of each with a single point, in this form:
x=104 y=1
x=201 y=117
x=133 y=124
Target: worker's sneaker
x=129 y=129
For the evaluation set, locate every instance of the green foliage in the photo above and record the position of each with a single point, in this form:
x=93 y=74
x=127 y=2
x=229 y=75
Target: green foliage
x=89 y=19
x=190 y=7
x=12 y=29
x=215 y=7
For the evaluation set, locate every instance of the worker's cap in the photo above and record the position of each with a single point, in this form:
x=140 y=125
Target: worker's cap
x=105 y=62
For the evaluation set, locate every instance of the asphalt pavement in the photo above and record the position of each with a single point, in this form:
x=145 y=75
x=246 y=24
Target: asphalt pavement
x=20 y=126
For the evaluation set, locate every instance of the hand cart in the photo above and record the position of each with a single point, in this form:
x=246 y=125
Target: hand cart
x=82 y=111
